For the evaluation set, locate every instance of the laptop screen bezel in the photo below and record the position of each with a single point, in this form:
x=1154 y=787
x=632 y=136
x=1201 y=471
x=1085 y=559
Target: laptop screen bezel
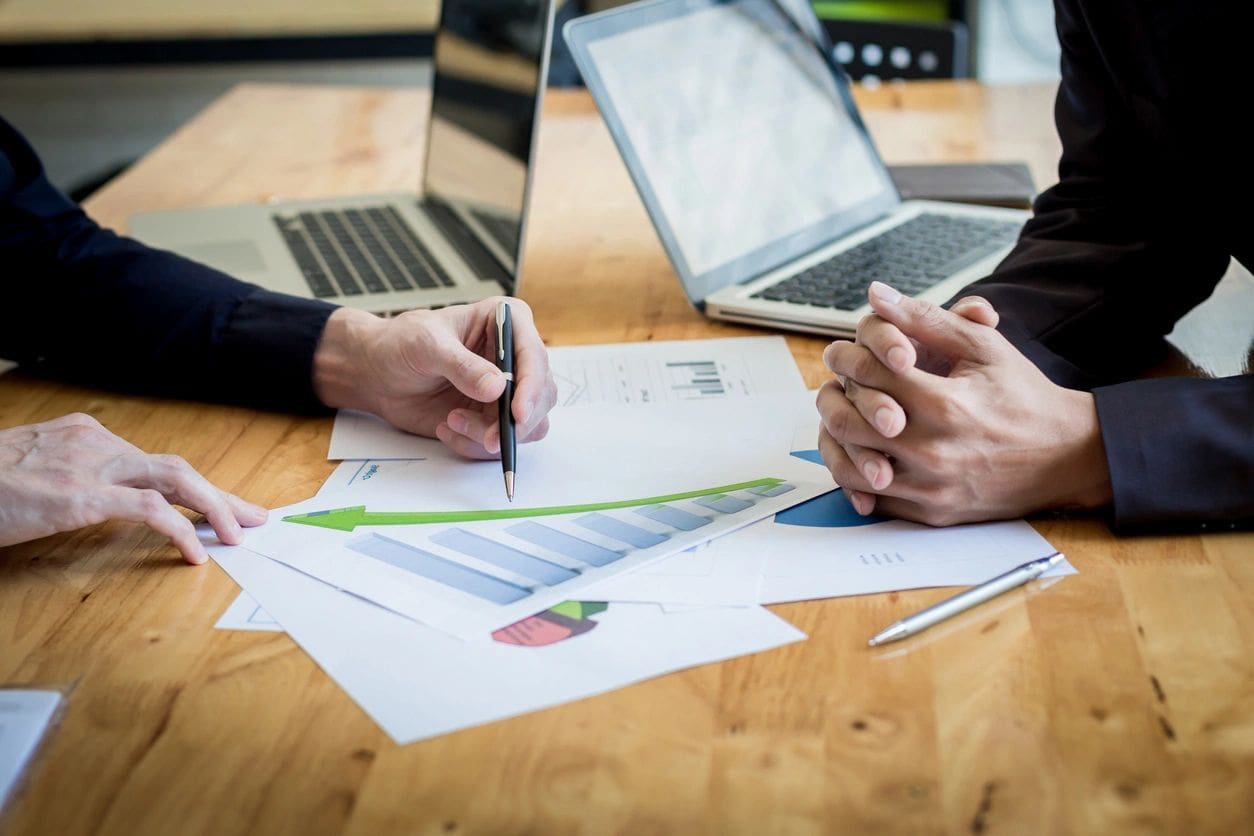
x=542 y=75
x=582 y=32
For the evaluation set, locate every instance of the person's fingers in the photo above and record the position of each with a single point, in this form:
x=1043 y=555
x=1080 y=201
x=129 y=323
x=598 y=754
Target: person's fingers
x=474 y=376
x=462 y=445
x=932 y=325
x=528 y=417
x=977 y=309
x=885 y=340
x=925 y=512
x=872 y=464
x=844 y=471
x=854 y=362
x=248 y=514
x=537 y=432
x=178 y=482
x=478 y=428
x=863 y=503
x=148 y=506
x=878 y=409
x=842 y=420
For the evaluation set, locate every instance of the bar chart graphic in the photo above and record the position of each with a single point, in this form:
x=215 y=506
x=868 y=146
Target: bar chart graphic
x=628 y=380
x=471 y=572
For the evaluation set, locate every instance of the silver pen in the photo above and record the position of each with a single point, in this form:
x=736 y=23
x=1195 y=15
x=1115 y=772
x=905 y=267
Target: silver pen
x=966 y=599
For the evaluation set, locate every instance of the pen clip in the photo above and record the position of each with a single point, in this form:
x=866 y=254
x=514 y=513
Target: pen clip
x=500 y=331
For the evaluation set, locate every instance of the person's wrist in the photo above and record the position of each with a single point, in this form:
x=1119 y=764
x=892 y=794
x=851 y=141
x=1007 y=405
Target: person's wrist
x=1084 y=474
x=341 y=360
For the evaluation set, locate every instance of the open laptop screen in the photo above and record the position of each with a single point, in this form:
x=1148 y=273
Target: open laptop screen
x=738 y=130
x=490 y=58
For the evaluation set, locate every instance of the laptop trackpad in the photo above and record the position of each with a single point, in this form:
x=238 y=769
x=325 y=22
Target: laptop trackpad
x=238 y=256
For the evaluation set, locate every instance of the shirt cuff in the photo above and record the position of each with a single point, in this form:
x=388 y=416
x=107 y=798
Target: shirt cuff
x=268 y=348
x=1180 y=452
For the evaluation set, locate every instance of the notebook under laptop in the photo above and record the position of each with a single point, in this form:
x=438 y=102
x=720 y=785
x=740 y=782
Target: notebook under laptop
x=739 y=131
x=459 y=239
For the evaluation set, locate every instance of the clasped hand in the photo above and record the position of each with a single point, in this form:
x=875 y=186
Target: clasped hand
x=935 y=417
x=423 y=371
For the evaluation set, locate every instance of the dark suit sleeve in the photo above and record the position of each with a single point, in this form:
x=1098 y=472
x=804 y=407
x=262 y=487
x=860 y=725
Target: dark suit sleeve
x=1128 y=241
x=86 y=305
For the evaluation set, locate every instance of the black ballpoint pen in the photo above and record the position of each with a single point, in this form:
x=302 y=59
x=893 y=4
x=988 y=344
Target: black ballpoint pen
x=505 y=362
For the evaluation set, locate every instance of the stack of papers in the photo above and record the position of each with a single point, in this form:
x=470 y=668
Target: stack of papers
x=677 y=491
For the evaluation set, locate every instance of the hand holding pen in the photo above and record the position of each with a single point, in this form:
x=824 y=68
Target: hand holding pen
x=431 y=372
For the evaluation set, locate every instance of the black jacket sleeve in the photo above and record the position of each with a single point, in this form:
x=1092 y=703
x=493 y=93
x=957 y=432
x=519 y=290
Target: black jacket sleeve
x=1149 y=208
x=83 y=304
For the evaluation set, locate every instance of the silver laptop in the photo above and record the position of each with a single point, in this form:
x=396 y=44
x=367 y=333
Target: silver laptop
x=459 y=239
x=739 y=131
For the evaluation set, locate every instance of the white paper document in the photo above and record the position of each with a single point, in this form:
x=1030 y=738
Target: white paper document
x=612 y=374
x=702 y=576
x=676 y=370
x=416 y=682
x=359 y=435
x=432 y=540
x=245 y=613
x=24 y=717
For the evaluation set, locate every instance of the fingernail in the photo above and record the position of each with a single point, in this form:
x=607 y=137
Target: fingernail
x=898 y=359
x=884 y=420
x=859 y=502
x=872 y=472
x=486 y=381
x=458 y=422
x=884 y=293
x=257 y=509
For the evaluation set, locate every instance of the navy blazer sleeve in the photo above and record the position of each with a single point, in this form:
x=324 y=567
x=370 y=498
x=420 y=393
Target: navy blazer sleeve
x=1152 y=201
x=83 y=304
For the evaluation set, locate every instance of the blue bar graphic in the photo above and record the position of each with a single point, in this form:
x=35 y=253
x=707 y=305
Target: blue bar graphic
x=723 y=503
x=503 y=556
x=641 y=538
x=674 y=517
x=563 y=543
x=438 y=569
x=772 y=490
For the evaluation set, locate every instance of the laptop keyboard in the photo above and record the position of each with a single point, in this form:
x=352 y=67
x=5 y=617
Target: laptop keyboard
x=911 y=257
x=350 y=252
x=504 y=230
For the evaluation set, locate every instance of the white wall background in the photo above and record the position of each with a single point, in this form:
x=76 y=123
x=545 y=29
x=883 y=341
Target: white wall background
x=1016 y=41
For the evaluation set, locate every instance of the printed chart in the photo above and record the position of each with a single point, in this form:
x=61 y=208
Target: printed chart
x=564 y=621
x=668 y=372
x=470 y=572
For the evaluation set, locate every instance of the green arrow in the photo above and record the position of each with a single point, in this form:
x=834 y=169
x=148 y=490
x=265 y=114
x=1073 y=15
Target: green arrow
x=346 y=519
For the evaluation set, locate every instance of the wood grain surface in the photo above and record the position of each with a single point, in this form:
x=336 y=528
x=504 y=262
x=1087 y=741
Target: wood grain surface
x=1118 y=700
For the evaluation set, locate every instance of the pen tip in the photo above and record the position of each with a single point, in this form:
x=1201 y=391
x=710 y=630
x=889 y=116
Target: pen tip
x=509 y=485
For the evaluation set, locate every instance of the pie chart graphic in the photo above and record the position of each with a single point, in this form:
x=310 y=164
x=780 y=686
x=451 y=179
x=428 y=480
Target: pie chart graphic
x=831 y=510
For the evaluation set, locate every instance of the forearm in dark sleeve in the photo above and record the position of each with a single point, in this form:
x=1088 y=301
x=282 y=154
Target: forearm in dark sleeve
x=1125 y=243
x=1181 y=452
x=110 y=312
x=84 y=304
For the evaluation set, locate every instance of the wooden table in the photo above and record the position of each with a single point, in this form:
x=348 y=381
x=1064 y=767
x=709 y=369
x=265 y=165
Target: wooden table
x=72 y=20
x=1121 y=699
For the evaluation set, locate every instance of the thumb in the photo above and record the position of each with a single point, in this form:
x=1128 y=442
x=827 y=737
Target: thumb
x=470 y=374
x=931 y=325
